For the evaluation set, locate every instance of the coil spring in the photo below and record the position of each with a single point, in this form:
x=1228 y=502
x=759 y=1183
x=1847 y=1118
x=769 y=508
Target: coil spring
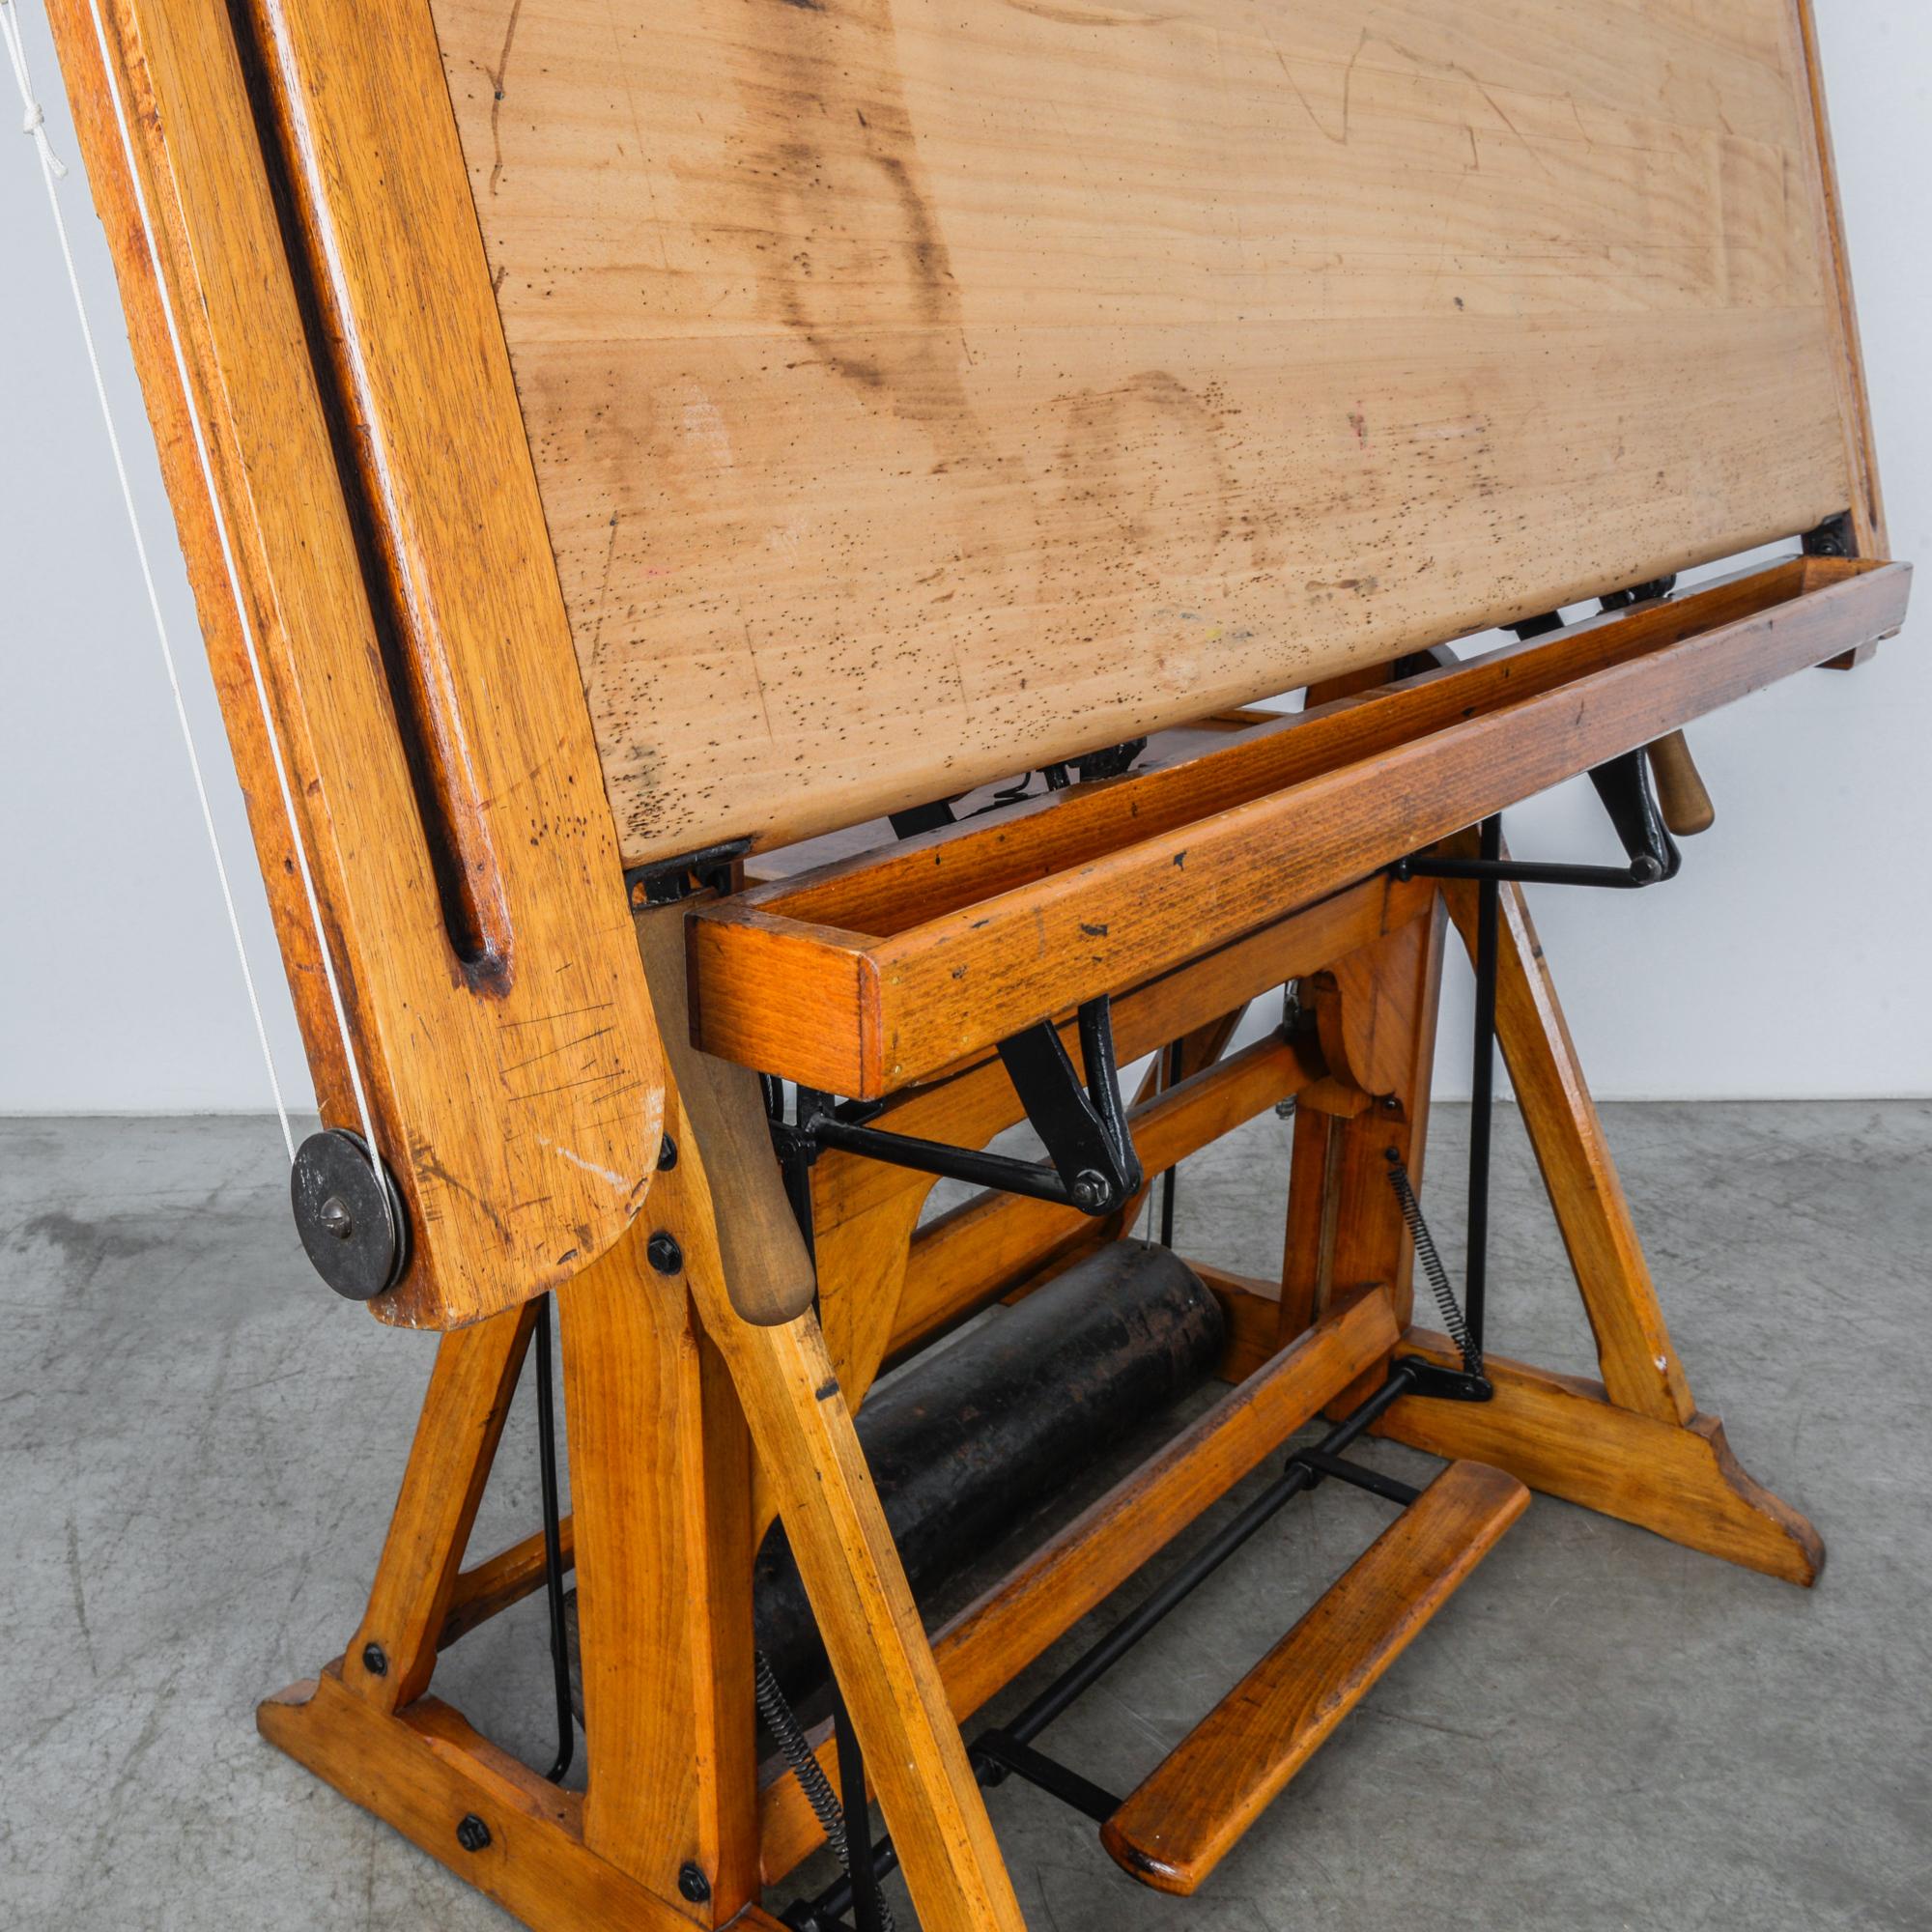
x=1453 y=1319
x=783 y=1726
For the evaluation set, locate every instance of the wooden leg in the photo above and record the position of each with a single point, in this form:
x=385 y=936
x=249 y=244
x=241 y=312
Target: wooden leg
x=1376 y=1015
x=659 y=1484
x=802 y=1433
x=462 y=1421
x=1634 y=1445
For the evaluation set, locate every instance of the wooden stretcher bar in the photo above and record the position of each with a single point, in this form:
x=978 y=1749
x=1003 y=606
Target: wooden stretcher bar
x=880 y=972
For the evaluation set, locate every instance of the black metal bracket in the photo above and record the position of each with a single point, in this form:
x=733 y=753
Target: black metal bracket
x=1834 y=538
x=1435 y=1383
x=1091 y=1163
x=665 y=881
x=1623 y=784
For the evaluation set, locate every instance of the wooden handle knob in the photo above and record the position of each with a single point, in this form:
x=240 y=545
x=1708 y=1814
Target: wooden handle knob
x=1680 y=796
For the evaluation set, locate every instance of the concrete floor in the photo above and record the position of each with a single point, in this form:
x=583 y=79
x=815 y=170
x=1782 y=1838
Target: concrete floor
x=198 y=1447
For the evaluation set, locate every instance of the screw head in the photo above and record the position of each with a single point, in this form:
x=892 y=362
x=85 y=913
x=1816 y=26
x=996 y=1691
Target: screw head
x=471 y=1834
x=333 y=1217
x=667 y=1154
x=1089 y=1191
x=693 y=1884
x=663 y=1253
x=375 y=1660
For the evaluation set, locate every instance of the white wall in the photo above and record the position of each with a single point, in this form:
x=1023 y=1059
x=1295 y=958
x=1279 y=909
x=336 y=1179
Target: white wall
x=1791 y=958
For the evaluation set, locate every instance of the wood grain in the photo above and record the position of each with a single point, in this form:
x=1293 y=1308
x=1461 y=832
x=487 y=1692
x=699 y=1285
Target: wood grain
x=661 y=1486
x=412 y=638
x=924 y=388
x=1563 y=1435
x=1184 y=1819
x=970 y=935
x=426 y=1770
x=468 y=1402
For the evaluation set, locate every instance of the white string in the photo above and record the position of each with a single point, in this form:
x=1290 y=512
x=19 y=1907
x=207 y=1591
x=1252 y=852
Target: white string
x=52 y=170
x=49 y=165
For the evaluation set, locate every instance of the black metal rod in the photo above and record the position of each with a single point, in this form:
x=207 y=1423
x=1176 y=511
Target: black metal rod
x=1482 y=1084
x=1086 y=1670
x=1031 y=1177
x=1532 y=872
x=552 y=1535
x=867 y=1908
x=1172 y=1081
x=1049 y=1773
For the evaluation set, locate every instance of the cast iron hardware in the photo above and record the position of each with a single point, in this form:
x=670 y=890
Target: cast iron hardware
x=663 y=1253
x=868 y=1904
x=1110 y=762
x=471 y=1834
x=995 y=1754
x=1090 y=1162
x=349 y=1214
x=667 y=1154
x=375 y=1660
x=1623 y=784
x=918 y=818
x=665 y=881
x=1831 y=538
x=1433 y=1384
x=1358 y=1473
x=693 y=1885
x=1464 y=1331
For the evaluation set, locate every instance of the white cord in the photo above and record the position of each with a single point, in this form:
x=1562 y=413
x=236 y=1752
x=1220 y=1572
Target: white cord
x=51 y=170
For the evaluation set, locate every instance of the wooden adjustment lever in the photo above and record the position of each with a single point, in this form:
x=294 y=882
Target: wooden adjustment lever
x=1681 y=794
x=1187 y=1816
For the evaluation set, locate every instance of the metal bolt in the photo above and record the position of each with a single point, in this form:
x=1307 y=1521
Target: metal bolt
x=335 y=1218
x=375 y=1660
x=693 y=1884
x=664 y=1252
x=471 y=1834
x=667 y=1154
x=1284 y=1110
x=1089 y=1191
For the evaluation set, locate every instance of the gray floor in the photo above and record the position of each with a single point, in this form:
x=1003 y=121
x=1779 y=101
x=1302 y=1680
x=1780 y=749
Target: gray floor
x=198 y=1447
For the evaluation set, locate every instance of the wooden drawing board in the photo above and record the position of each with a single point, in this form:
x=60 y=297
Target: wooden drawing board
x=920 y=390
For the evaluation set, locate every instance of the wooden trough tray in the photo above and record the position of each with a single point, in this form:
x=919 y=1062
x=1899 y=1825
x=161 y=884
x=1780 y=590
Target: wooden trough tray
x=882 y=970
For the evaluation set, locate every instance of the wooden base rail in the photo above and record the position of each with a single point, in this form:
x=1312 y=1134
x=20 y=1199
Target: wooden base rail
x=869 y=975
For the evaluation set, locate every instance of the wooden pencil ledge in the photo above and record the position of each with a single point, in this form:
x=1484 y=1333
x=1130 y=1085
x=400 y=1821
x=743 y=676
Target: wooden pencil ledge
x=883 y=970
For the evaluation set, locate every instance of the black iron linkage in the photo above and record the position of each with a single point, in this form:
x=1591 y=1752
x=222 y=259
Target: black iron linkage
x=1090 y=1161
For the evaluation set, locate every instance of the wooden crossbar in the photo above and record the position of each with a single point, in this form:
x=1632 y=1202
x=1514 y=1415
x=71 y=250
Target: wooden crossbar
x=1185 y=1818
x=874 y=974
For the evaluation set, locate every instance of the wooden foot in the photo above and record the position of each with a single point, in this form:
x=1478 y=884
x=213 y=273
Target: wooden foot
x=1562 y=1435
x=437 y=1781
